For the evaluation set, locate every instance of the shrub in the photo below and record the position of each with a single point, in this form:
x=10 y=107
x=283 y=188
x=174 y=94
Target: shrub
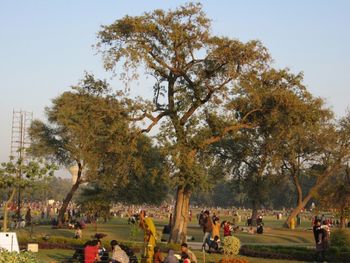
x=340 y=246
x=340 y=240
x=278 y=252
x=14 y=257
x=231 y=246
x=233 y=260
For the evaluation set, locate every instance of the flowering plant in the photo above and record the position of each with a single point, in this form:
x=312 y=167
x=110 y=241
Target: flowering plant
x=231 y=246
x=15 y=257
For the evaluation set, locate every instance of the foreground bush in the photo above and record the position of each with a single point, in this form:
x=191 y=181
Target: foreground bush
x=340 y=246
x=231 y=246
x=278 y=252
x=14 y=257
x=233 y=260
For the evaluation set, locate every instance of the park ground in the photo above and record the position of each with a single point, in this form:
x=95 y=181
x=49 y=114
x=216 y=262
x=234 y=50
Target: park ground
x=119 y=229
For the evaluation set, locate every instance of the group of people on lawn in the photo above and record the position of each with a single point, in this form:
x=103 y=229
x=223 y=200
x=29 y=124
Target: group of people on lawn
x=94 y=252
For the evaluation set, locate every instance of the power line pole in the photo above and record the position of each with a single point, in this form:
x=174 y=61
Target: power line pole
x=20 y=141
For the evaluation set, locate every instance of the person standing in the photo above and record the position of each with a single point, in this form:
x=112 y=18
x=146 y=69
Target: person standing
x=207 y=226
x=149 y=237
x=215 y=229
x=227 y=228
x=321 y=240
x=28 y=217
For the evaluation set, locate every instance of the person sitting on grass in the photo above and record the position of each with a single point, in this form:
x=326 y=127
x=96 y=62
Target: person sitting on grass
x=192 y=256
x=171 y=257
x=118 y=255
x=78 y=233
x=91 y=252
x=157 y=257
x=185 y=258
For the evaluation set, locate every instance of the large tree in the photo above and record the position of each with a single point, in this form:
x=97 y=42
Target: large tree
x=330 y=150
x=195 y=72
x=87 y=127
x=252 y=156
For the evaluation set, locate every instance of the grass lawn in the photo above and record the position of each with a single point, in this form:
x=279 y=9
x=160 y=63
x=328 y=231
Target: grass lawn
x=118 y=229
x=55 y=255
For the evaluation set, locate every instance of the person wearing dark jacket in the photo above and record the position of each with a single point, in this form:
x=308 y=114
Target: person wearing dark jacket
x=207 y=226
x=321 y=239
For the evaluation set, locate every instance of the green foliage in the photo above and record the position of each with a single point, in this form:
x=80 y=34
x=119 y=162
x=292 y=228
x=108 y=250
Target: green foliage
x=340 y=239
x=14 y=257
x=51 y=187
x=95 y=201
x=135 y=232
x=231 y=246
x=278 y=252
x=20 y=173
x=195 y=73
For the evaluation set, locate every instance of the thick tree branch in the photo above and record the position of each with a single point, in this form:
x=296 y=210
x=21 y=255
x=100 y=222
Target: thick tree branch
x=154 y=120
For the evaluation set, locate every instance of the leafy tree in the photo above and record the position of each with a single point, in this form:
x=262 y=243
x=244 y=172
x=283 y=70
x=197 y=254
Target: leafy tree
x=47 y=188
x=335 y=195
x=19 y=173
x=332 y=152
x=252 y=156
x=147 y=181
x=87 y=127
x=148 y=184
x=195 y=72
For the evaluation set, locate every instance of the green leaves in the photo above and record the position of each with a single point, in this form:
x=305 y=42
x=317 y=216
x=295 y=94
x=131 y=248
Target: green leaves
x=23 y=173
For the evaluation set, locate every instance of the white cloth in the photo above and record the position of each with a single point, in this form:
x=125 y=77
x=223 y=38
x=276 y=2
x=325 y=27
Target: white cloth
x=120 y=255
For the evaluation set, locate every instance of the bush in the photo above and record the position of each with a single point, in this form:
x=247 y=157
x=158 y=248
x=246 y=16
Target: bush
x=340 y=240
x=14 y=257
x=231 y=246
x=233 y=260
x=340 y=246
x=278 y=252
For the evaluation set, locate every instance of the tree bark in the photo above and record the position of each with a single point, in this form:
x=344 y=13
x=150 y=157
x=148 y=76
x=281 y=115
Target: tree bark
x=299 y=190
x=68 y=198
x=342 y=217
x=180 y=215
x=254 y=216
x=4 y=228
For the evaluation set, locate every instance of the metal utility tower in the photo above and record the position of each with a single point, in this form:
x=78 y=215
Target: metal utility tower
x=21 y=121
x=20 y=141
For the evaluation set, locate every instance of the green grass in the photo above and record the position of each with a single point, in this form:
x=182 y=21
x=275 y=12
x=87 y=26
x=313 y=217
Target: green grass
x=54 y=255
x=118 y=229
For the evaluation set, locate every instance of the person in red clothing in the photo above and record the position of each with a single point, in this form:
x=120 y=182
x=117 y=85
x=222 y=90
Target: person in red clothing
x=91 y=252
x=227 y=228
x=157 y=257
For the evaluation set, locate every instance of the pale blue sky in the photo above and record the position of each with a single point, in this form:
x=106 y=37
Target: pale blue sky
x=46 y=45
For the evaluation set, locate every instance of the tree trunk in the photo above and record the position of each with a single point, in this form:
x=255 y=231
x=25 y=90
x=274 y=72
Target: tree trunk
x=322 y=180
x=297 y=210
x=342 y=217
x=4 y=228
x=68 y=198
x=254 y=216
x=180 y=216
x=299 y=190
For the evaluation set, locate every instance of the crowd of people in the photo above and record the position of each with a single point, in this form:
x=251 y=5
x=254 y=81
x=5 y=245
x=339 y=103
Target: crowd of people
x=213 y=228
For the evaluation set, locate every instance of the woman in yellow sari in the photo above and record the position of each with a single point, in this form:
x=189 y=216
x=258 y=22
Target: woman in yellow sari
x=149 y=238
